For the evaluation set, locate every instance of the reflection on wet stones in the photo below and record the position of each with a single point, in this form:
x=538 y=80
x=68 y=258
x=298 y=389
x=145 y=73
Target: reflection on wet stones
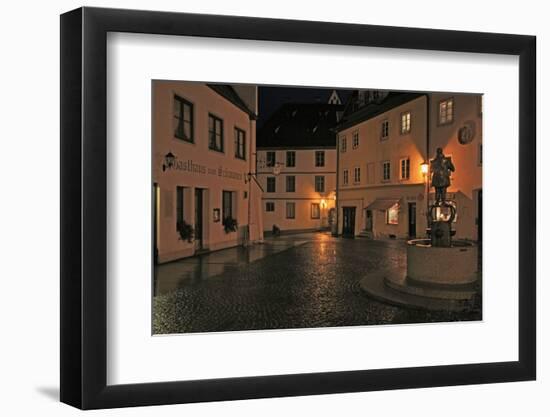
x=312 y=283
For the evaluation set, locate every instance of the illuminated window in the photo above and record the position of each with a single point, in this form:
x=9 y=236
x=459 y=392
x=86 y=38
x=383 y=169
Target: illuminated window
x=392 y=214
x=357 y=175
x=355 y=142
x=386 y=171
x=290 y=210
x=405 y=169
x=344 y=144
x=319 y=158
x=291 y=159
x=385 y=130
x=346 y=177
x=183 y=119
x=315 y=211
x=215 y=133
x=319 y=184
x=270 y=206
x=446 y=111
x=240 y=143
x=405 y=122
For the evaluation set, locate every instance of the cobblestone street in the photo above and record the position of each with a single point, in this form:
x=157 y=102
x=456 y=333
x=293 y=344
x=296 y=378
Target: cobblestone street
x=295 y=281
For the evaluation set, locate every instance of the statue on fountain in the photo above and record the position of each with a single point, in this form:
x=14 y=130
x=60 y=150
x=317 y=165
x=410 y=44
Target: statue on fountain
x=441 y=167
x=442 y=212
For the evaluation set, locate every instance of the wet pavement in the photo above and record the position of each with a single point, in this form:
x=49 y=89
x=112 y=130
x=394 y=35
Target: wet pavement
x=294 y=281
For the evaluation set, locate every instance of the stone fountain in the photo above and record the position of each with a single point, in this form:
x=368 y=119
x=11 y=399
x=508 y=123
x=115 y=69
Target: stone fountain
x=442 y=272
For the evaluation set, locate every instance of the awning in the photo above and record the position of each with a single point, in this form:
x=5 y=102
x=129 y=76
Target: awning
x=382 y=203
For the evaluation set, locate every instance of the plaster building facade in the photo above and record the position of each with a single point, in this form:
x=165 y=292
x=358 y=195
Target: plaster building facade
x=204 y=194
x=296 y=166
x=385 y=141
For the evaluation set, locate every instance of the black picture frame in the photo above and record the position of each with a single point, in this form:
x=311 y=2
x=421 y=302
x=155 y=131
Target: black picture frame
x=84 y=207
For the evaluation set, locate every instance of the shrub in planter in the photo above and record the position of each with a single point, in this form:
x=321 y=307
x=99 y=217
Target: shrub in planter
x=230 y=225
x=185 y=231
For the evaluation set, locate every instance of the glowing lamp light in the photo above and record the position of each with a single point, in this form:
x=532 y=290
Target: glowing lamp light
x=424 y=168
x=323 y=203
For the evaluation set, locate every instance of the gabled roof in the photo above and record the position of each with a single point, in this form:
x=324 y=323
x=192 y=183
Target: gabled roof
x=229 y=93
x=300 y=125
x=355 y=114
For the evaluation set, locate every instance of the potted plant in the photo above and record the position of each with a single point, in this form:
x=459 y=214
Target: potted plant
x=185 y=231
x=230 y=224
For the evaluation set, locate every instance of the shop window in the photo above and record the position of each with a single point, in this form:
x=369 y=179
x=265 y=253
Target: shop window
x=392 y=214
x=315 y=211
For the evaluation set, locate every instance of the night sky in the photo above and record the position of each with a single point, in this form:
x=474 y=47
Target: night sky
x=271 y=98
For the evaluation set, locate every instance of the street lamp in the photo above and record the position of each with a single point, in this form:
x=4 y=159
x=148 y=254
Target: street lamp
x=424 y=168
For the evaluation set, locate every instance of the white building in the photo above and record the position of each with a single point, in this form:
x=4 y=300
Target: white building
x=297 y=166
x=384 y=142
x=203 y=155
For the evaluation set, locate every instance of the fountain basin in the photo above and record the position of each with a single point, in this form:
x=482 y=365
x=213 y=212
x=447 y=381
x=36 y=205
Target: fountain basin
x=455 y=265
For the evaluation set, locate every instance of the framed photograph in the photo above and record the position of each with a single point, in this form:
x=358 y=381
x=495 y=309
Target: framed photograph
x=372 y=192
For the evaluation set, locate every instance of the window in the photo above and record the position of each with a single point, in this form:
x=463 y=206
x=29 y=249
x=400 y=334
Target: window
x=385 y=130
x=215 y=133
x=446 y=111
x=355 y=140
x=405 y=169
x=319 y=158
x=356 y=175
x=179 y=206
x=291 y=159
x=290 y=183
x=290 y=210
x=405 y=122
x=270 y=159
x=270 y=206
x=480 y=158
x=386 y=171
x=344 y=144
x=240 y=143
x=270 y=184
x=315 y=211
x=319 y=184
x=183 y=119
x=392 y=214
x=227 y=204
x=346 y=177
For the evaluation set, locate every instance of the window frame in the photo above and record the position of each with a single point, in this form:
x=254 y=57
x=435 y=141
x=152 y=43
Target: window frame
x=289 y=153
x=355 y=140
x=345 y=177
x=386 y=123
x=319 y=189
x=318 y=211
x=268 y=181
x=317 y=165
x=357 y=175
x=270 y=204
x=215 y=119
x=289 y=181
x=293 y=205
x=407 y=161
x=408 y=126
x=446 y=101
x=231 y=205
x=343 y=144
x=271 y=164
x=184 y=102
x=384 y=163
x=237 y=144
